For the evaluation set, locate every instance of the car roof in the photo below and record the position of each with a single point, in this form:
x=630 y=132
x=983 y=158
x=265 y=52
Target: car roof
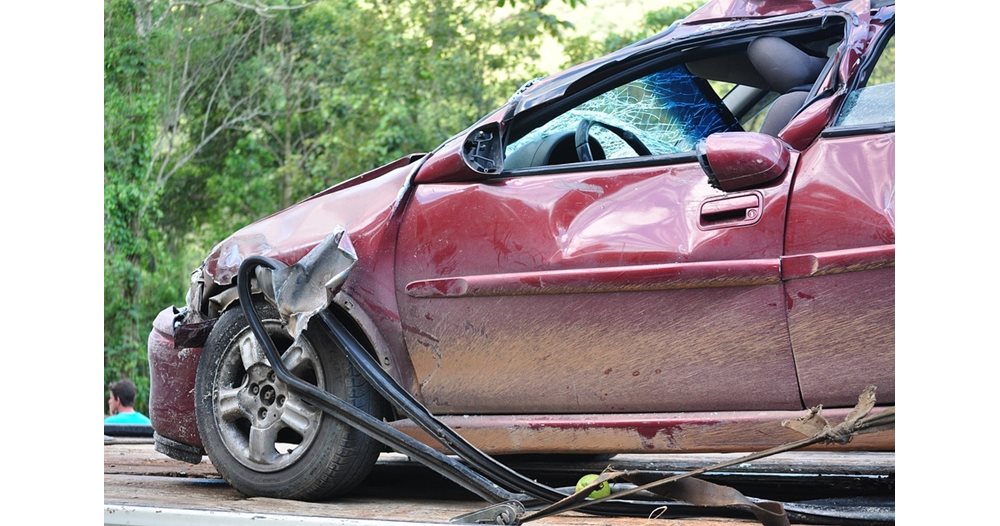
x=716 y=10
x=715 y=16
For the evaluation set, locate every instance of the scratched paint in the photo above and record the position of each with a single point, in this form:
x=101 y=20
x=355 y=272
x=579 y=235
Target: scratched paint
x=842 y=217
x=842 y=328
x=636 y=287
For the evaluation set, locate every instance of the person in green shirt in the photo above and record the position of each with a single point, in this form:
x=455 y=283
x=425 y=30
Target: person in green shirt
x=120 y=400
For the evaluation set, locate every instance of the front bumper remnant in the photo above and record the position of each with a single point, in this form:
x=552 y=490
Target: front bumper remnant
x=171 y=384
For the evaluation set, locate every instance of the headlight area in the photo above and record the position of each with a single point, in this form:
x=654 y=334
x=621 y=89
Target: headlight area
x=196 y=291
x=194 y=321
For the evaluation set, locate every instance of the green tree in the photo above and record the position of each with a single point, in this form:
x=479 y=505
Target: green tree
x=129 y=115
x=580 y=48
x=219 y=112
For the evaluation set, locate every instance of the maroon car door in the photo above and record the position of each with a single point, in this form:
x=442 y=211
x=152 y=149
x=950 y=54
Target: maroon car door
x=840 y=246
x=618 y=285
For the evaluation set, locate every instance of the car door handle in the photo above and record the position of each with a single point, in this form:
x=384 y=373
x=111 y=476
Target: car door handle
x=730 y=211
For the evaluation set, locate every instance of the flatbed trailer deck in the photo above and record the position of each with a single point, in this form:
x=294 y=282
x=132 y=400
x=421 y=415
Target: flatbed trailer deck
x=144 y=487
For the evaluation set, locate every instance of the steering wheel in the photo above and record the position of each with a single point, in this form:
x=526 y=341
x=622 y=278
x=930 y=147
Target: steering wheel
x=583 y=139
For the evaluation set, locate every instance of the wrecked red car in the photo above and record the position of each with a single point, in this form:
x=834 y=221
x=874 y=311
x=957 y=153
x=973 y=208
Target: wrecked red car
x=672 y=248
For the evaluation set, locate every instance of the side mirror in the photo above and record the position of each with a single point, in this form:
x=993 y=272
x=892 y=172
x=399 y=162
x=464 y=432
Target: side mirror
x=482 y=151
x=739 y=160
x=473 y=157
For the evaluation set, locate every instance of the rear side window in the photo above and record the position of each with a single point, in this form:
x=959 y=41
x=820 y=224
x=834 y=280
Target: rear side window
x=875 y=101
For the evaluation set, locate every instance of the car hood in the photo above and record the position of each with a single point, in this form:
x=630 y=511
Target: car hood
x=358 y=204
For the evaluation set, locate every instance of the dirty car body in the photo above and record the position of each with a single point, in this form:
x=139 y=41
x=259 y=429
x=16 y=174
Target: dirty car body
x=622 y=258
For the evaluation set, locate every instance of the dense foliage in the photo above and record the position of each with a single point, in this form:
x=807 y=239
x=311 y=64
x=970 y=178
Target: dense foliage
x=580 y=48
x=218 y=112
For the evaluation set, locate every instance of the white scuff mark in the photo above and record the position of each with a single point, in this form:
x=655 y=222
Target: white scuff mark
x=232 y=257
x=580 y=187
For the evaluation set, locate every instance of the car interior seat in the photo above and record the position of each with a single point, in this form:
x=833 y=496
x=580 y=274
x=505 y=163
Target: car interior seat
x=787 y=70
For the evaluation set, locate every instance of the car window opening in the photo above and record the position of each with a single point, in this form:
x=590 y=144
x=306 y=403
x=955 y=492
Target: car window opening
x=756 y=86
x=874 y=101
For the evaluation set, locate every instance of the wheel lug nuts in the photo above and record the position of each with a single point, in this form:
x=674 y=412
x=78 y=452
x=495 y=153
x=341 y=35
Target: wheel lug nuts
x=281 y=400
x=270 y=376
x=262 y=414
x=254 y=389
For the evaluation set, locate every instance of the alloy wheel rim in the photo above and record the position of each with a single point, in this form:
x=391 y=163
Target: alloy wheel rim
x=263 y=425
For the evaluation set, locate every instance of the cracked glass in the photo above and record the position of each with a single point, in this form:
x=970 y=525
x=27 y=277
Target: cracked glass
x=668 y=111
x=875 y=103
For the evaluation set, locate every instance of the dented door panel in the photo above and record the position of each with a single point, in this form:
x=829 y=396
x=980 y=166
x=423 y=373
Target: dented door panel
x=840 y=259
x=593 y=292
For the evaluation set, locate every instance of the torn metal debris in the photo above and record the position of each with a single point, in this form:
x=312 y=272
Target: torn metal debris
x=302 y=290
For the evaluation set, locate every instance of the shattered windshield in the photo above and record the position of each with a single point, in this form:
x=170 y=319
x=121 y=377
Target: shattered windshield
x=669 y=111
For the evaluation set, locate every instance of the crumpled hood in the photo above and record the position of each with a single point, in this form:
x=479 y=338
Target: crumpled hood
x=358 y=204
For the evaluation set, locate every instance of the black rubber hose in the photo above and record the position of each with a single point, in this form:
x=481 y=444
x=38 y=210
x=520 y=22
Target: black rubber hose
x=411 y=407
x=352 y=416
x=387 y=386
x=485 y=464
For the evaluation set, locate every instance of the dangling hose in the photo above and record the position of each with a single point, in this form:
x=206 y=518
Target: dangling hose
x=487 y=470
x=352 y=416
x=486 y=474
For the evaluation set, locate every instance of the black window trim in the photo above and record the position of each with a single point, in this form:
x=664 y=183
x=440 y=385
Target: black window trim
x=603 y=165
x=860 y=129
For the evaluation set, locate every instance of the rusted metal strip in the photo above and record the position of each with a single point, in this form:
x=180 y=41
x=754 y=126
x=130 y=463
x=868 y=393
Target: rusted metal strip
x=708 y=432
x=837 y=262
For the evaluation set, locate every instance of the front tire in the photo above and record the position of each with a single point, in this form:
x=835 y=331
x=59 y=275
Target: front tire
x=264 y=439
